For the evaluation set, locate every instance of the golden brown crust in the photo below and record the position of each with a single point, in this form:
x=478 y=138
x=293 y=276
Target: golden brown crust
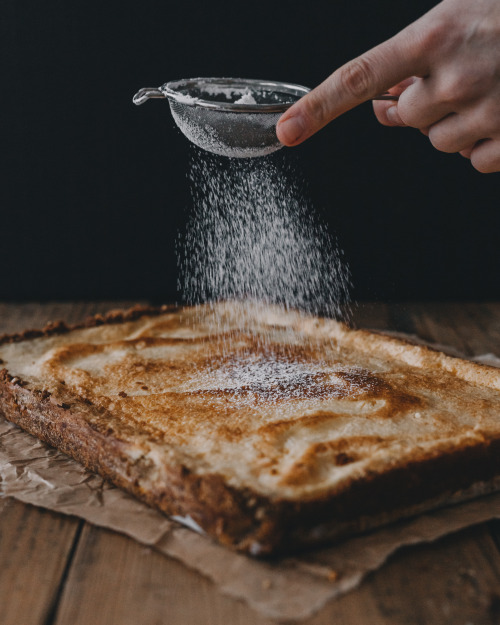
x=243 y=517
x=245 y=520
x=222 y=511
x=113 y=316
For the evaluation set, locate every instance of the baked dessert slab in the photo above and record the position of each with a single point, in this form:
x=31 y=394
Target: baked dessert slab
x=270 y=430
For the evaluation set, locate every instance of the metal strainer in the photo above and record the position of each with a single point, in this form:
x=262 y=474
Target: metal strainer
x=233 y=117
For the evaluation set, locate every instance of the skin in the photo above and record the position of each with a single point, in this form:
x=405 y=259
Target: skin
x=445 y=67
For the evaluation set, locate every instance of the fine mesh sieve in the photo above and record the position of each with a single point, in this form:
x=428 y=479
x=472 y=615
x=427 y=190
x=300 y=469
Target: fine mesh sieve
x=233 y=117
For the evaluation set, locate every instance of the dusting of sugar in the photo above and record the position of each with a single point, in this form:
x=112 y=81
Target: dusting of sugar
x=250 y=379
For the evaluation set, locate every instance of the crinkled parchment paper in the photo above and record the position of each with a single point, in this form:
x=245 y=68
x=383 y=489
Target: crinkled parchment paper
x=291 y=588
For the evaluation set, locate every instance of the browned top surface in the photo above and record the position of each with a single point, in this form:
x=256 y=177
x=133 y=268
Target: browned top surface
x=291 y=407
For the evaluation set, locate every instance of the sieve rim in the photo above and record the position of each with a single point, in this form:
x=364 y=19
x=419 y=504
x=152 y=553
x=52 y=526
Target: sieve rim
x=170 y=91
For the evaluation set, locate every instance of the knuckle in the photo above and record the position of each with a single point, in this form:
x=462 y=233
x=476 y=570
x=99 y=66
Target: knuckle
x=435 y=35
x=456 y=88
x=460 y=86
x=474 y=81
x=357 y=77
x=489 y=113
x=315 y=109
x=409 y=115
x=410 y=109
x=450 y=90
x=441 y=141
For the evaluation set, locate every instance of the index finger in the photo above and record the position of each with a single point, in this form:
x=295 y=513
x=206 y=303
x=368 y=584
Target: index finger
x=355 y=82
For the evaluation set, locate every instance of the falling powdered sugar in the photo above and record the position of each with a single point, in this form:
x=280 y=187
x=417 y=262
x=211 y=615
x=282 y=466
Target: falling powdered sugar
x=252 y=236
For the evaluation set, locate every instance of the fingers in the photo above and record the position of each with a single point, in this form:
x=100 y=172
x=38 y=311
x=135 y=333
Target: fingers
x=426 y=105
x=461 y=134
x=423 y=104
x=387 y=111
x=357 y=81
x=485 y=156
x=419 y=106
x=456 y=133
x=454 y=99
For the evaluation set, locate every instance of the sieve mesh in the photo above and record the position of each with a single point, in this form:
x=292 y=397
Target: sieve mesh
x=228 y=116
x=239 y=135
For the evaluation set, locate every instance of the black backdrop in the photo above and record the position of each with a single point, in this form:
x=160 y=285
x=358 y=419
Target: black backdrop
x=94 y=189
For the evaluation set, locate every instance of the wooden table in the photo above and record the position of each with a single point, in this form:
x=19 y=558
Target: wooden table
x=60 y=570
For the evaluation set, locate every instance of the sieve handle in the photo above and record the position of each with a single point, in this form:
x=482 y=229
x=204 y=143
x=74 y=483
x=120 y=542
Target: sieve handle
x=150 y=92
x=144 y=94
x=386 y=96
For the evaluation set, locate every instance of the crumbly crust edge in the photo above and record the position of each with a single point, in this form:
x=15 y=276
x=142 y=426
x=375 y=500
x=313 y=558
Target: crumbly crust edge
x=113 y=316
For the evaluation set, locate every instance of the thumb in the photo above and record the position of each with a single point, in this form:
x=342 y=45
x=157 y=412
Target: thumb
x=355 y=82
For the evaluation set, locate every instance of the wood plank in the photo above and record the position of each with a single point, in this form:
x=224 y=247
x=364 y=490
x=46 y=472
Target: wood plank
x=35 y=545
x=454 y=581
x=113 y=579
x=431 y=322
x=471 y=328
x=486 y=318
x=371 y=315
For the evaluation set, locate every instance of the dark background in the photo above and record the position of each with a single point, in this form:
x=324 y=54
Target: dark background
x=94 y=190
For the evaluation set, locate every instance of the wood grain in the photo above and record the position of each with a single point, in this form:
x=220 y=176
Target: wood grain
x=115 y=580
x=455 y=581
x=374 y=316
x=35 y=546
x=52 y=573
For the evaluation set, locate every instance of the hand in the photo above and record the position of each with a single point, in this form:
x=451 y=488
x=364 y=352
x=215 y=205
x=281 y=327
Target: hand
x=445 y=67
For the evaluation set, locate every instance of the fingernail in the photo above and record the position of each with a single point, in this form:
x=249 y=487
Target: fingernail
x=290 y=130
x=393 y=115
